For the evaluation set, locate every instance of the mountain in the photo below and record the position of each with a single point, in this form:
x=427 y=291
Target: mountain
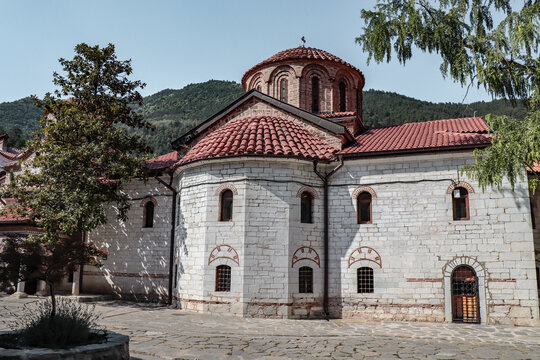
x=174 y=112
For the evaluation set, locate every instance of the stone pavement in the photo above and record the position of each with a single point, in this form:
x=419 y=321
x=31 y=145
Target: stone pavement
x=159 y=332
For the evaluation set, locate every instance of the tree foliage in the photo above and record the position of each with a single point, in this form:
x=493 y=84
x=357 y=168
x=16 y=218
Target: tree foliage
x=84 y=153
x=501 y=56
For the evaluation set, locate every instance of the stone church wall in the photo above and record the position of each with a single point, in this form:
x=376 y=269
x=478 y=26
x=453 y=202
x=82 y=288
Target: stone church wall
x=138 y=263
x=418 y=243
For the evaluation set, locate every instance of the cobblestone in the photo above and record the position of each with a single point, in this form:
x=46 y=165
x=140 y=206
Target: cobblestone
x=160 y=332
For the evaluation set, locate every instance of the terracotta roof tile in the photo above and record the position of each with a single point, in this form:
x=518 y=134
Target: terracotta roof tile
x=338 y=114
x=11 y=153
x=263 y=135
x=298 y=53
x=423 y=135
x=163 y=161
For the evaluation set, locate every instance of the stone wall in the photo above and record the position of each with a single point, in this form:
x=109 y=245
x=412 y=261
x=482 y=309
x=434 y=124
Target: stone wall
x=419 y=244
x=138 y=263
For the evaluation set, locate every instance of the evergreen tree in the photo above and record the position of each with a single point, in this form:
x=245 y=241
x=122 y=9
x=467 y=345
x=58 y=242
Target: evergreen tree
x=475 y=50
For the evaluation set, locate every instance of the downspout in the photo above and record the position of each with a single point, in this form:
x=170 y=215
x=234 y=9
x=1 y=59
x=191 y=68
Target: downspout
x=325 y=179
x=173 y=229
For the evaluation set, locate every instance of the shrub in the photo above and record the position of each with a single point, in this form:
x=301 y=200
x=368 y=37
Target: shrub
x=74 y=324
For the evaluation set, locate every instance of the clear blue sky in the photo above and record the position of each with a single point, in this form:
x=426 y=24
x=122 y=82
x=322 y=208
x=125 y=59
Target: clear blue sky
x=175 y=43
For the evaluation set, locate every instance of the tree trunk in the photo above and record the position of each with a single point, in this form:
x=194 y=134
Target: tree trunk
x=53 y=300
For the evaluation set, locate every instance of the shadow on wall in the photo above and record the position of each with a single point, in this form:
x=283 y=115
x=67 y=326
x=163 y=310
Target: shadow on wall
x=180 y=252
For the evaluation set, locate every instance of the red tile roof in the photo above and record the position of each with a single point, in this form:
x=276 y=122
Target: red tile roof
x=11 y=153
x=535 y=169
x=338 y=114
x=299 y=53
x=8 y=217
x=263 y=135
x=163 y=161
x=450 y=133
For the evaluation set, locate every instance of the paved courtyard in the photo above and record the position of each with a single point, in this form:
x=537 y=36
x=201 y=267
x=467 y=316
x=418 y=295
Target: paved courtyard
x=159 y=332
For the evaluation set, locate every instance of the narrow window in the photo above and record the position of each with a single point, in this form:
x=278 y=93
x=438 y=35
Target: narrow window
x=364 y=279
x=315 y=94
x=226 y=206
x=460 y=203
x=363 y=205
x=342 y=96
x=305 y=277
x=306 y=207
x=259 y=88
x=149 y=214
x=283 y=86
x=175 y=275
x=223 y=278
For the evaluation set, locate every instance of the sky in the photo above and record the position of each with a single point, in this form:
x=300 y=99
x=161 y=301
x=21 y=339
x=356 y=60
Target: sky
x=176 y=43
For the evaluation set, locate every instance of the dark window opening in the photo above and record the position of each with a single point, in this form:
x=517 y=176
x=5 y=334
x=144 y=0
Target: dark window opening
x=283 y=87
x=342 y=96
x=70 y=276
x=223 y=278
x=175 y=275
x=306 y=207
x=226 y=206
x=305 y=277
x=364 y=208
x=149 y=214
x=315 y=95
x=460 y=203
x=465 y=307
x=259 y=88
x=364 y=279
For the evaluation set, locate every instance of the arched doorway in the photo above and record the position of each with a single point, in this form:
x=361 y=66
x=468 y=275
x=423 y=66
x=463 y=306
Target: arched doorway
x=465 y=304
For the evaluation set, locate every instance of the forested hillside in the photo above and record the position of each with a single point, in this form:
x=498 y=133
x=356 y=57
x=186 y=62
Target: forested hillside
x=174 y=112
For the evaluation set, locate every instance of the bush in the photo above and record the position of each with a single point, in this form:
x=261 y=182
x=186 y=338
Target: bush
x=74 y=324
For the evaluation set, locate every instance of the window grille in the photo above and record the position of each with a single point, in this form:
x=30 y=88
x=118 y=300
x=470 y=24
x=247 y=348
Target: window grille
x=223 y=278
x=305 y=277
x=364 y=277
x=465 y=306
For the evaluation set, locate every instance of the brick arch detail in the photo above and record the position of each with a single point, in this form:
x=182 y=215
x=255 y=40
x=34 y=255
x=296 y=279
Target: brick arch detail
x=148 y=199
x=224 y=187
x=364 y=253
x=306 y=253
x=458 y=184
x=315 y=69
x=449 y=267
x=310 y=190
x=255 y=80
x=224 y=251
x=362 y=189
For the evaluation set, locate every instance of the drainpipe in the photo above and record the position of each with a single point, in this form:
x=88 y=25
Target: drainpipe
x=173 y=229
x=325 y=179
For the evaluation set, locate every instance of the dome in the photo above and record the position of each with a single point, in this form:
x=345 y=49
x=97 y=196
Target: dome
x=261 y=135
x=297 y=54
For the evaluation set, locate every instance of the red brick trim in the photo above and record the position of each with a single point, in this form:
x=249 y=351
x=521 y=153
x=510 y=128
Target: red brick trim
x=224 y=252
x=306 y=253
x=131 y=275
x=424 y=280
x=147 y=199
x=224 y=187
x=362 y=189
x=365 y=253
x=458 y=184
x=501 y=280
x=310 y=190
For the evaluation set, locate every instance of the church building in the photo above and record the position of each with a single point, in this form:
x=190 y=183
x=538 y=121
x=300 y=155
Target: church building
x=286 y=205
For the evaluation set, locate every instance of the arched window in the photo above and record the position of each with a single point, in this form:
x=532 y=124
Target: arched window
x=460 y=204
x=465 y=306
x=315 y=94
x=305 y=277
x=149 y=214
x=342 y=96
x=223 y=278
x=306 y=204
x=283 y=90
x=363 y=207
x=364 y=280
x=259 y=88
x=226 y=206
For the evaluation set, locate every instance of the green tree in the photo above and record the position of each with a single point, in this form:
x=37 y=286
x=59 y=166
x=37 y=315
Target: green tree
x=500 y=56
x=84 y=153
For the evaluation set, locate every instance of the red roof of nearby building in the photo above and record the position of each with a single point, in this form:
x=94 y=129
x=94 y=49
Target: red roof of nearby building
x=11 y=153
x=299 y=53
x=263 y=135
x=338 y=114
x=450 y=133
x=163 y=161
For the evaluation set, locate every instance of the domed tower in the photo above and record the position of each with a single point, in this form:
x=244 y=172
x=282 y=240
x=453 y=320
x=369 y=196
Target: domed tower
x=309 y=78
